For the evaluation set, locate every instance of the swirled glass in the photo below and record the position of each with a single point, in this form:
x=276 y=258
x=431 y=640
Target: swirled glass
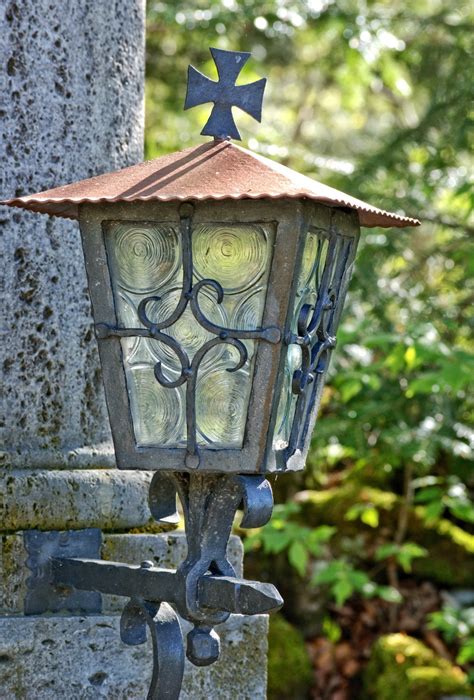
x=238 y=257
x=145 y=259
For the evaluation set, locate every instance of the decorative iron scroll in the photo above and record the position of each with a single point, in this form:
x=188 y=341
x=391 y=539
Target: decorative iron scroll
x=189 y=368
x=316 y=325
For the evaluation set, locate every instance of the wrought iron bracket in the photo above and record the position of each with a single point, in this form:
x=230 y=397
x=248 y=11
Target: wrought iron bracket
x=67 y=573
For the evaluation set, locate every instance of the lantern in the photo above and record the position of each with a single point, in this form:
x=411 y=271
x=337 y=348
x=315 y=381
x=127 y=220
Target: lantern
x=217 y=279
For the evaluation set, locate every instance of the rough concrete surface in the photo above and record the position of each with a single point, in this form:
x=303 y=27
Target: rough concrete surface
x=79 y=658
x=43 y=499
x=71 y=106
x=76 y=657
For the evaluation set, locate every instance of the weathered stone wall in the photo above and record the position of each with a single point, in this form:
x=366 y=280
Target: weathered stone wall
x=71 y=106
x=79 y=658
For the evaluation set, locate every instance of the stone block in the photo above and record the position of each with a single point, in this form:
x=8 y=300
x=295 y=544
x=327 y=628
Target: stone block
x=83 y=658
x=47 y=499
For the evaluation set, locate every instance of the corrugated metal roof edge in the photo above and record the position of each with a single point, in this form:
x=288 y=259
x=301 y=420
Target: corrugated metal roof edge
x=29 y=203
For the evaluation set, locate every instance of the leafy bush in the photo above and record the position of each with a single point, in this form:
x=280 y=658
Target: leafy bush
x=457 y=626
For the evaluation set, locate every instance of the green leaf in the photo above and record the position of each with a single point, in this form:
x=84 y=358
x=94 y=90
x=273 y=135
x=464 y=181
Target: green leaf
x=433 y=510
x=410 y=356
x=407 y=552
x=275 y=541
x=429 y=493
x=385 y=551
x=370 y=516
x=298 y=557
x=342 y=590
x=366 y=512
x=331 y=630
x=466 y=652
x=329 y=573
x=323 y=533
x=358 y=579
x=389 y=593
x=349 y=389
x=318 y=537
x=463 y=511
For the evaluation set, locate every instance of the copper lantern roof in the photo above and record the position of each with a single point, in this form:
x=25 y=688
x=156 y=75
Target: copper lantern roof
x=217 y=171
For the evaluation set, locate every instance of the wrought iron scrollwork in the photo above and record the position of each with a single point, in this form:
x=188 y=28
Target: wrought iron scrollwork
x=204 y=589
x=316 y=332
x=189 y=368
x=167 y=643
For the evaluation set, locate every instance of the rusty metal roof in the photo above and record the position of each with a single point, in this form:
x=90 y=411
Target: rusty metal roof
x=217 y=170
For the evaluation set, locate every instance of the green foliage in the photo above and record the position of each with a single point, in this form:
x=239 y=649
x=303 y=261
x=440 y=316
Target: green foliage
x=403 y=554
x=457 y=626
x=403 y=664
x=374 y=99
x=367 y=513
x=289 y=667
x=331 y=630
x=447 y=495
x=344 y=581
x=282 y=534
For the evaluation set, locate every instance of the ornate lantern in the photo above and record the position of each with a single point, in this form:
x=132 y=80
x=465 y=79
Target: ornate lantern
x=217 y=279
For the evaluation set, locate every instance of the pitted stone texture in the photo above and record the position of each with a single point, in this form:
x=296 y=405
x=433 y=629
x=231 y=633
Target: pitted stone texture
x=82 y=658
x=71 y=106
x=165 y=550
x=110 y=499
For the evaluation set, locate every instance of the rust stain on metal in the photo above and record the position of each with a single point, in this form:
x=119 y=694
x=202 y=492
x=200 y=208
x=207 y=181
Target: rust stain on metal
x=212 y=171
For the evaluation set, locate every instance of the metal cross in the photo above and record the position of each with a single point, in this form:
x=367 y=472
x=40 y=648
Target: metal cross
x=225 y=93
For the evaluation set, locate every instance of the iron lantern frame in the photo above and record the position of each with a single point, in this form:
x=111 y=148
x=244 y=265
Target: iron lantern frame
x=291 y=220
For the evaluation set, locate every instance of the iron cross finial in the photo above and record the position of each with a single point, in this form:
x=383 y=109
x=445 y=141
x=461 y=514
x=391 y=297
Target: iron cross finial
x=225 y=93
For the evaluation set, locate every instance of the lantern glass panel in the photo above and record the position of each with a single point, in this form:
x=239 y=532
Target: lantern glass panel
x=322 y=282
x=145 y=259
x=314 y=253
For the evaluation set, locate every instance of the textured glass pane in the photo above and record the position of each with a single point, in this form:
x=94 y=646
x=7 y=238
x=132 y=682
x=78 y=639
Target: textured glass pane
x=314 y=256
x=145 y=260
x=145 y=256
x=238 y=257
x=221 y=406
x=286 y=406
x=157 y=412
x=322 y=283
x=235 y=256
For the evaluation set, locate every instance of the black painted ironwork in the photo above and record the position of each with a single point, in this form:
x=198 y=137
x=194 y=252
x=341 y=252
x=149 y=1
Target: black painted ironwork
x=204 y=589
x=316 y=331
x=189 y=368
x=167 y=642
x=225 y=94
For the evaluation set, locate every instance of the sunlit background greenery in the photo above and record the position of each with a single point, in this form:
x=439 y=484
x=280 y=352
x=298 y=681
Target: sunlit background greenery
x=373 y=98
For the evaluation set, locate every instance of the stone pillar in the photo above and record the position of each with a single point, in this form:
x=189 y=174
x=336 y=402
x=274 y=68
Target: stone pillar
x=71 y=106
